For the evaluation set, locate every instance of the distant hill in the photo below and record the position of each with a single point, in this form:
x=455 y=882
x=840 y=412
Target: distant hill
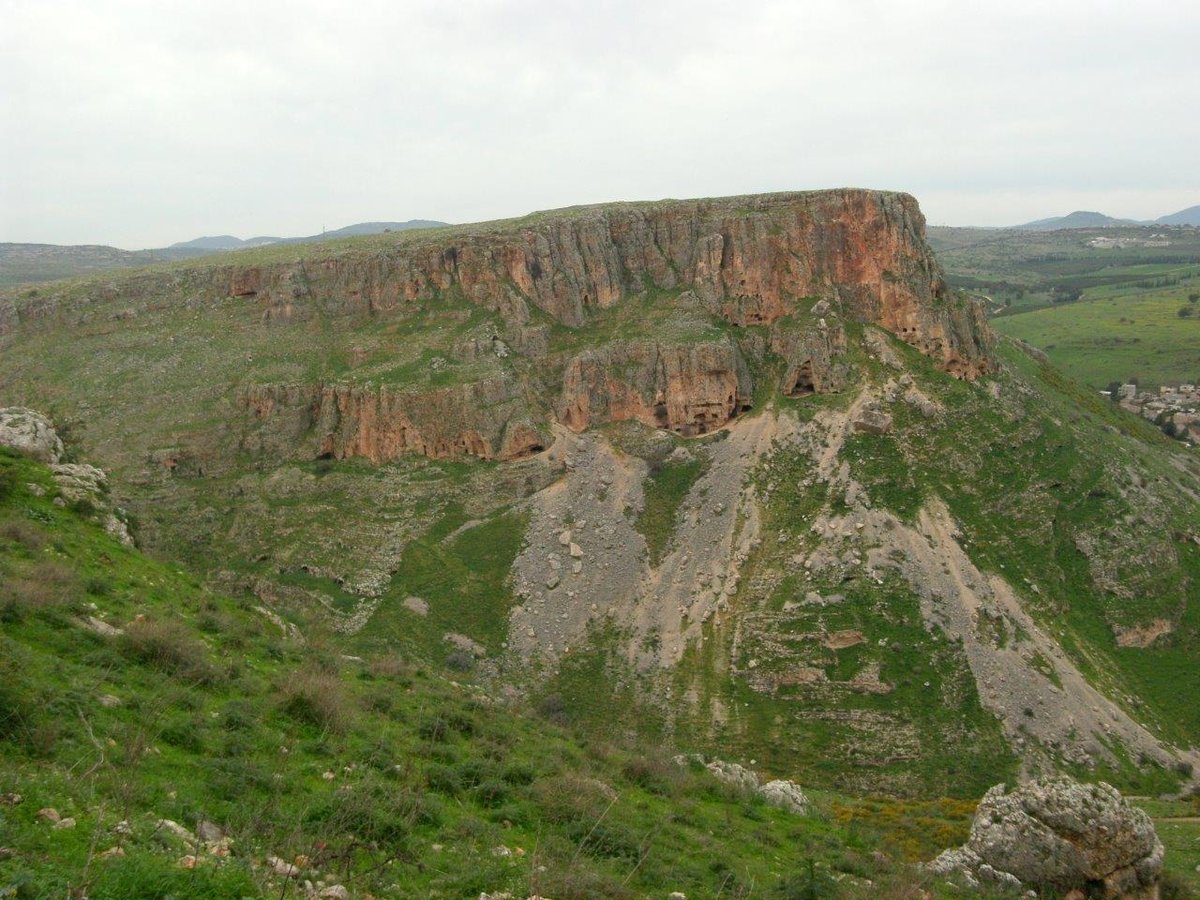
x=1078 y=219
x=1189 y=216
x=33 y=263
x=229 y=242
x=25 y=263
x=222 y=242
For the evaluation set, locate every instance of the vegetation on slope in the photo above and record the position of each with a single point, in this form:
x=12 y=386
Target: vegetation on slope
x=380 y=773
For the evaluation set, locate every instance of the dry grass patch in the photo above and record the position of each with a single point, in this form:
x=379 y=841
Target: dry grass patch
x=169 y=647
x=317 y=698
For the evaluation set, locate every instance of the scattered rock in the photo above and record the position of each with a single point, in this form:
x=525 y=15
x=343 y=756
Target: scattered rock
x=1057 y=834
x=282 y=867
x=209 y=832
x=417 y=605
x=839 y=640
x=108 y=701
x=174 y=828
x=188 y=862
x=11 y=799
x=464 y=643
x=65 y=823
x=99 y=626
x=873 y=421
x=335 y=892
x=7 y=853
x=48 y=813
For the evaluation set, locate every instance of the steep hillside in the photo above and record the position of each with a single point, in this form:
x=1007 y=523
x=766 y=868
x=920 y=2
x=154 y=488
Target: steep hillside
x=741 y=476
x=161 y=739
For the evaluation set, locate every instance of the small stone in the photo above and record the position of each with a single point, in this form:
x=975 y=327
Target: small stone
x=65 y=823
x=335 y=892
x=49 y=813
x=282 y=868
x=188 y=862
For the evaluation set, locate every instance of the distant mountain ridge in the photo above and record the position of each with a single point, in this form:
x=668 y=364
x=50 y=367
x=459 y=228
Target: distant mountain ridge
x=229 y=242
x=1089 y=219
x=33 y=263
x=1078 y=219
x=1189 y=216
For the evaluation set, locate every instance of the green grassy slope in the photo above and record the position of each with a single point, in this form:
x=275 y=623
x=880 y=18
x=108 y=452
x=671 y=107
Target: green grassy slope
x=380 y=772
x=1129 y=337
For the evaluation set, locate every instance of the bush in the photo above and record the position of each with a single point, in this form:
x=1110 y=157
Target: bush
x=316 y=698
x=168 y=647
x=572 y=799
x=652 y=774
x=23 y=534
x=49 y=587
x=460 y=661
x=553 y=708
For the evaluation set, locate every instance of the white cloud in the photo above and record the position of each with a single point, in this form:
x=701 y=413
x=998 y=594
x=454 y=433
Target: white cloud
x=139 y=123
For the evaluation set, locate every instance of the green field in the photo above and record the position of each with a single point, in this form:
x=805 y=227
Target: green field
x=1128 y=337
x=1102 y=314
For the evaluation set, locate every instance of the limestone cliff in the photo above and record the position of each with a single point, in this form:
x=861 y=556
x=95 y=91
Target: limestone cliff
x=764 y=285
x=487 y=419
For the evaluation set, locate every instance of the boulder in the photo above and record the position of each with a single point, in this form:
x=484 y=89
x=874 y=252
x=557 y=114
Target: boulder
x=1057 y=834
x=30 y=433
x=785 y=795
x=732 y=773
x=873 y=421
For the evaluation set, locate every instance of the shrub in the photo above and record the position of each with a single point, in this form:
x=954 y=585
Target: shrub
x=490 y=793
x=652 y=774
x=460 y=661
x=49 y=587
x=572 y=799
x=553 y=708
x=317 y=698
x=168 y=647
x=23 y=534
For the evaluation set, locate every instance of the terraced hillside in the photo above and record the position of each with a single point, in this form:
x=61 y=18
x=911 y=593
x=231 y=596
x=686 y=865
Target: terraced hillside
x=739 y=476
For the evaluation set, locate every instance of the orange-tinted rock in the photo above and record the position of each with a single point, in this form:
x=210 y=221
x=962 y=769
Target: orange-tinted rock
x=487 y=419
x=750 y=260
x=690 y=389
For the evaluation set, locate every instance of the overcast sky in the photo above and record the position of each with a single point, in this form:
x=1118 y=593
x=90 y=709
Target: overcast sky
x=143 y=123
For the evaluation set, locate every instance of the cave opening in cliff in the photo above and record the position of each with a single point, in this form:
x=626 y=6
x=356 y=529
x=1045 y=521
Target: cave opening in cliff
x=802 y=381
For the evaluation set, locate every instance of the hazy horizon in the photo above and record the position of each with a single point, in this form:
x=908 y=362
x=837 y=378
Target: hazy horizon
x=130 y=126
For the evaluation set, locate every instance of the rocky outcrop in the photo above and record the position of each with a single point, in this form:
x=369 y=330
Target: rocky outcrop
x=1081 y=840
x=750 y=260
x=780 y=793
x=85 y=486
x=30 y=433
x=690 y=389
x=489 y=419
x=626 y=311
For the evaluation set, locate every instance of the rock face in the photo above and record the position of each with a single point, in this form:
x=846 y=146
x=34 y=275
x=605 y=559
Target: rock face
x=671 y=313
x=1061 y=835
x=488 y=419
x=687 y=388
x=30 y=433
